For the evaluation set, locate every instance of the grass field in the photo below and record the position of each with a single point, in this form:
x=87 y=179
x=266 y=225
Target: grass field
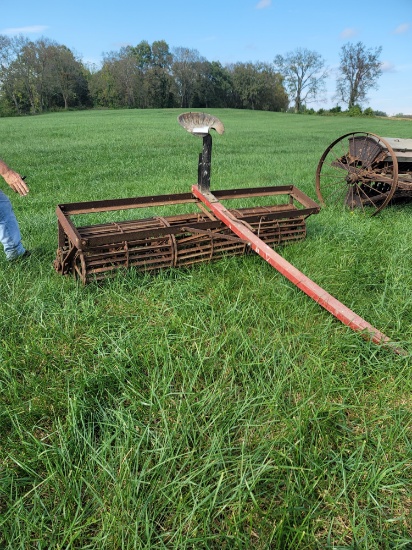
x=214 y=407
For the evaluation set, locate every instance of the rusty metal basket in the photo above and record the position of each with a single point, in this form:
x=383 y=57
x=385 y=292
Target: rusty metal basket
x=96 y=251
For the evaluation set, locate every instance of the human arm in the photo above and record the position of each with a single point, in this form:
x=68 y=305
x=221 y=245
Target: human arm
x=13 y=179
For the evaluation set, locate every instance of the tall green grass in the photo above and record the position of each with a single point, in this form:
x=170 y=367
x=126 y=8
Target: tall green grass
x=213 y=407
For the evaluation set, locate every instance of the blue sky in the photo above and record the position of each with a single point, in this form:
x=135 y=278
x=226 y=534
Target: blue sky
x=233 y=30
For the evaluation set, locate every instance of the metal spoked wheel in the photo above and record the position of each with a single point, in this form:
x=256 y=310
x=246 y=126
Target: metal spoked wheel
x=357 y=170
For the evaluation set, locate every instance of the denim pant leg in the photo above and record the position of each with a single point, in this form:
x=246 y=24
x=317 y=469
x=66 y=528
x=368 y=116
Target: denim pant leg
x=10 y=236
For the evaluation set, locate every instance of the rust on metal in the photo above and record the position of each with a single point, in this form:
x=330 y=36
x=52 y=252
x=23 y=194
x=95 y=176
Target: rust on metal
x=366 y=171
x=94 y=252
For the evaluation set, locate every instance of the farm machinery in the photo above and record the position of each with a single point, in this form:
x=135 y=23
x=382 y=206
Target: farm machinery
x=95 y=252
x=208 y=232
x=363 y=170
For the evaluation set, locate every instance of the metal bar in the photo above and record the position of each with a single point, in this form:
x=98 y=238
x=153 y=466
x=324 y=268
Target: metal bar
x=304 y=199
x=89 y=207
x=61 y=235
x=125 y=204
x=69 y=228
x=286 y=213
x=253 y=192
x=314 y=291
x=213 y=235
x=205 y=168
x=205 y=211
x=290 y=190
x=67 y=260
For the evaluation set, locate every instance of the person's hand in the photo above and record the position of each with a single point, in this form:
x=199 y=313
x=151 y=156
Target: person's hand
x=14 y=180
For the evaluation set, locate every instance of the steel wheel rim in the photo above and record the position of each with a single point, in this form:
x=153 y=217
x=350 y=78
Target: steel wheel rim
x=368 y=181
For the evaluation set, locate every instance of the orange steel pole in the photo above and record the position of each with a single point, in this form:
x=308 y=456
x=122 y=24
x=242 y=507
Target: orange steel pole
x=314 y=291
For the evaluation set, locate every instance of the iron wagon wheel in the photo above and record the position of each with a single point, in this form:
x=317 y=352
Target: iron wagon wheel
x=358 y=169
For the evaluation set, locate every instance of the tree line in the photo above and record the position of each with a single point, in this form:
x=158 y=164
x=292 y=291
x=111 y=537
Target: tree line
x=42 y=75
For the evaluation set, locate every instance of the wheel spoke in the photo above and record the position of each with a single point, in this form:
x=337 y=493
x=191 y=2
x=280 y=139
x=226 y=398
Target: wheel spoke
x=360 y=199
x=368 y=198
x=374 y=189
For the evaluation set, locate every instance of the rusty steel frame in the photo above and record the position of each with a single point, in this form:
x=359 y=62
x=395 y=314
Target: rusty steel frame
x=97 y=251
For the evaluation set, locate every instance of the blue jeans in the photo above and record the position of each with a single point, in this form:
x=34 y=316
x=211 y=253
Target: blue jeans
x=10 y=236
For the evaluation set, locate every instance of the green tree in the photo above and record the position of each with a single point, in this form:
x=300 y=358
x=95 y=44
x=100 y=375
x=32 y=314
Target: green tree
x=273 y=96
x=28 y=75
x=185 y=70
x=304 y=75
x=245 y=84
x=67 y=75
x=10 y=76
x=36 y=76
x=258 y=86
x=103 y=88
x=359 y=69
x=213 y=85
x=159 y=82
x=119 y=83
x=161 y=56
x=142 y=54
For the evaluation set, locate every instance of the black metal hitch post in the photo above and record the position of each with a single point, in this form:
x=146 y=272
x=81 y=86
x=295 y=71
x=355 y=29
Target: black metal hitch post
x=205 y=163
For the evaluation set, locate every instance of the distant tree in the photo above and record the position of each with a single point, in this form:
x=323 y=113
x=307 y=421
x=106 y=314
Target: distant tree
x=131 y=77
x=30 y=74
x=159 y=82
x=67 y=74
x=10 y=76
x=143 y=55
x=119 y=83
x=135 y=77
x=103 y=86
x=359 y=69
x=368 y=112
x=161 y=55
x=9 y=50
x=273 y=96
x=36 y=76
x=246 y=84
x=185 y=68
x=213 y=85
x=258 y=86
x=304 y=73
x=355 y=110
x=221 y=85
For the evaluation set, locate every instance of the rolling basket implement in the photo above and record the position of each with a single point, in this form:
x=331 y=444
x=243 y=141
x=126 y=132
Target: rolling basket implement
x=208 y=232
x=96 y=251
x=363 y=170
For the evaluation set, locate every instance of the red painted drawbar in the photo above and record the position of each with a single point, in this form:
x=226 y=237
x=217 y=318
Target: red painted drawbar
x=309 y=287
